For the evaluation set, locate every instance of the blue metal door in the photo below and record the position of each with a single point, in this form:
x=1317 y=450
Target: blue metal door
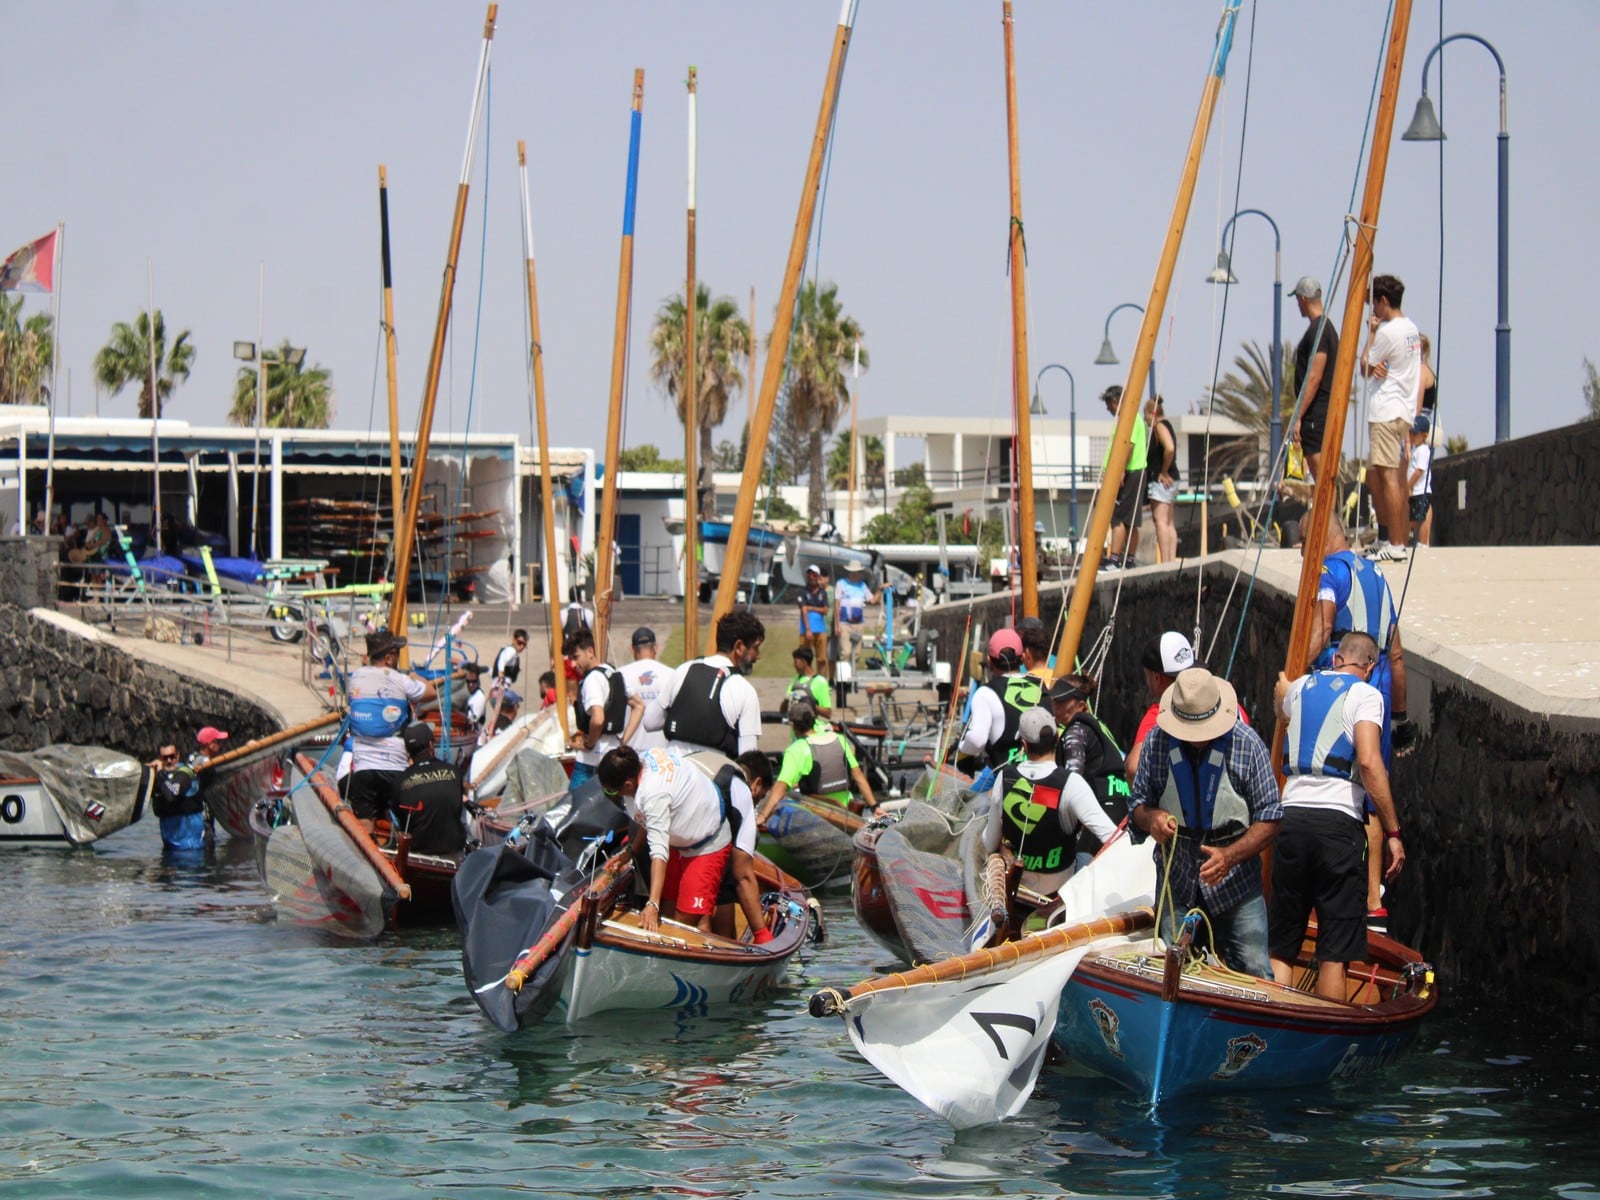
x=630 y=560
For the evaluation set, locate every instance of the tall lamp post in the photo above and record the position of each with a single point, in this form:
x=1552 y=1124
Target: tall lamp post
x=1038 y=408
x=247 y=352
x=1425 y=127
x=1223 y=274
x=1108 y=357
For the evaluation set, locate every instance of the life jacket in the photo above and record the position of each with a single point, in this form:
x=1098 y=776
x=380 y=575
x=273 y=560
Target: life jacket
x=1317 y=743
x=830 y=770
x=513 y=667
x=1018 y=693
x=574 y=622
x=1368 y=608
x=1202 y=796
x=1104 y=770
x=724 y=781
x=379 y=716
x=177 y=793
x=616 y=706
x=1030 y=821
x=696 y=716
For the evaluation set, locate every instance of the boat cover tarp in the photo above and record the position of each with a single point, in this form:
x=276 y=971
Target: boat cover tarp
x=819 y=850
x=318 y=877
x=532 y=776
x=924 y=877
x=95 y=791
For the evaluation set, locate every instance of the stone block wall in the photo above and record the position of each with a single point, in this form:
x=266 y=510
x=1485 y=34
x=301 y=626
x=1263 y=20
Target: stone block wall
x=57 y=685
x=1500 y=807
x=28 y=571
x=1542 y=490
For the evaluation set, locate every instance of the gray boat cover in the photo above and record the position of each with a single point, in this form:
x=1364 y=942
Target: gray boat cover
x=317 y=877
x=920 y=859
x=95 y=791
x=532 y=777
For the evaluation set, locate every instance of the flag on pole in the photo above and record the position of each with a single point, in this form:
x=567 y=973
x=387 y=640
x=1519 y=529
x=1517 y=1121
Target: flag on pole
x=32 y=268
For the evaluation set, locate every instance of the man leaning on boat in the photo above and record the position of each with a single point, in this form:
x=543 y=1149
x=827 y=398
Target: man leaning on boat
x=1205 y=791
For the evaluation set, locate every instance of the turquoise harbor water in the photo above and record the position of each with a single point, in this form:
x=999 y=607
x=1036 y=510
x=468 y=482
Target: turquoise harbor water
x=160 y=1035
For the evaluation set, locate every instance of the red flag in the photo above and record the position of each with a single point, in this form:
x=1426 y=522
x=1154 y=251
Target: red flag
x=31 y=269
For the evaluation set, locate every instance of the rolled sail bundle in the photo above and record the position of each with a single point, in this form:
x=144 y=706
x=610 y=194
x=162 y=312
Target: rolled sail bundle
x=70 y=794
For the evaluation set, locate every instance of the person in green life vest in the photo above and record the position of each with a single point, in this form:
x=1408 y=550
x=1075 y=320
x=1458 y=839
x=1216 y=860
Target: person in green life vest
x=1130 y=496
x=817 y=763
x=811 y=682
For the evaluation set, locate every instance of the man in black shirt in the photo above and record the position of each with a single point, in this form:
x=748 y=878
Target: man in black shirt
x=1313 y=370
x=428 y=803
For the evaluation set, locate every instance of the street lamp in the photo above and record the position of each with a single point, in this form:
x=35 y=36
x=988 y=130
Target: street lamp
x=1425 y=127
x=1224 y=275
x=1038 y=407
x=1108 y=357
x=246 y=352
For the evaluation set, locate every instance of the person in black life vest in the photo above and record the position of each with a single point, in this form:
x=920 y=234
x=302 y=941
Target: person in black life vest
x=742 y=784
x=707 y=703
x=428 y=804
x=508 y=663
x=1205 y=783
x=1038 y=808
x=604 y=714
x=998 y=704
x=1086 y=748
x=176 y=802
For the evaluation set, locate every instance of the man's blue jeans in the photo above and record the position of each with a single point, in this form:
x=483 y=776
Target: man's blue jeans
x=1241 y=935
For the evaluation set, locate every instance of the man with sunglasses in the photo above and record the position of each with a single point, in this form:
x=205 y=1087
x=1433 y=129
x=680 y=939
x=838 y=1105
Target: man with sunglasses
x=176 y=802
x=1333 y=761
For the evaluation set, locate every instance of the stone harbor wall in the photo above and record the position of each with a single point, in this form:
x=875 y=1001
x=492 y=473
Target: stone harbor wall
x=28 y=571
x=1500 y=806
x=61 y=681
x=1542 y=490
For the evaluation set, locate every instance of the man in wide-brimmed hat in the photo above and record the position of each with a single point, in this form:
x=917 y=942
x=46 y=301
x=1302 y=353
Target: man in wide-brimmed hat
x=851 y=595
x=1205 y=779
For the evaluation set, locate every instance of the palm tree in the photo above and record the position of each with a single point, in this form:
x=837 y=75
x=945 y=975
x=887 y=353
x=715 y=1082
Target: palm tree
x=26 y=353
x=126 y=359
x=817 y=388
x=869 y=463
x=297 y=396
x=1242 y=397
x=721 y=348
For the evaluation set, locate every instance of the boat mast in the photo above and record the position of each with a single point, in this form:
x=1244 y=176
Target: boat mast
x=406 y=523
x=546 y=485
x=604 y=539
x=396 y=482
x=782 y=322
x=1017 y=259
x=1144 y=351
x=1314 y=531
x=691 y=422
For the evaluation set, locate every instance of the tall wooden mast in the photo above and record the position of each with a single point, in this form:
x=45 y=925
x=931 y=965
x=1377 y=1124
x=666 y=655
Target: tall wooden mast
x=1144 y=351
x=406 y=523
x=691 y=420
x=778 y=344
x=546 y=484
x=1017 y=258
x=396 y=480
x=605 y=537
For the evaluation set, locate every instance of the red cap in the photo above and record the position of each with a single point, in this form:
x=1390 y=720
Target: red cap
x=211 y=735
x=1002 y=640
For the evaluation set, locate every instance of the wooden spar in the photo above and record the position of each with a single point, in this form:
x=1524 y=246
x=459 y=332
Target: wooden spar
x=1144 y=352
x=396 y=481
x=830 y=1002
x=829 y=811
x=782 y=322
x=406 y=523
x=528 y=961
x=546 y=484
x=605 y=536
x=272 y=739
x=1020 y=399
x=691 y=420
x=1315 y=531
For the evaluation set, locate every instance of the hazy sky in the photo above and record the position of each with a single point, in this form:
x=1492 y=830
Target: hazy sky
x=212 y=137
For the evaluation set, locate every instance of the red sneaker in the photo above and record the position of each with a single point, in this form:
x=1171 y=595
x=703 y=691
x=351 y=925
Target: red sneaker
x=1378 y=920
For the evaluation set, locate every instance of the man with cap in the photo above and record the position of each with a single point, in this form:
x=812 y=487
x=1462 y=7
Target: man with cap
x=851 y=595
x=383 y=701
x=1039 y=806
x=1164 y=656
x=1332 y=763
x=809 y=681
x=1126 y=513
x=1313 y=371
x=998 y=704
x=428 y=805
x=643 y=678
x=1205 y=785
x=818 y=763
x=813 y=602
x=707 y=703
x=605 y=715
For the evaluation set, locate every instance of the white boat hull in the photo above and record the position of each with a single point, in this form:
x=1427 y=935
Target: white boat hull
x=27 y=816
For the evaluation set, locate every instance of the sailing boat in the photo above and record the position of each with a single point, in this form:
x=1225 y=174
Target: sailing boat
x=1134 y=1008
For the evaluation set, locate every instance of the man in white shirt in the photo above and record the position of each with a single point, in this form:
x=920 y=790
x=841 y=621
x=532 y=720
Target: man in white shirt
x=644 y=677
x=1392 y=365
x=1333 y=762
x=707 y=703
x=679 y=811
x=383 y=701
x=605 y=715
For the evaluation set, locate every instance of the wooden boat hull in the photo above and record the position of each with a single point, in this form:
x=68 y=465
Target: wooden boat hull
x=1227 y=1033
x=868 y=897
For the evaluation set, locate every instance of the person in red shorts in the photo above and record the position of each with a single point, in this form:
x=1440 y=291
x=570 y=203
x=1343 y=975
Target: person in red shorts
x=681 y=818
